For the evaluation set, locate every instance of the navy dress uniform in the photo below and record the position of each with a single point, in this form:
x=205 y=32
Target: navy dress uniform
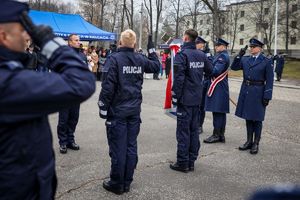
x=187 y=92
x=255 y=93
x=205 y=82
x=218 y=102
x=120 y=103
x=27 y=164
x=68 y=119
x=279 y=66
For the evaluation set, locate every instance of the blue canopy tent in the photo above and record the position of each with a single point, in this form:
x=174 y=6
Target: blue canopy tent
x=65 y=24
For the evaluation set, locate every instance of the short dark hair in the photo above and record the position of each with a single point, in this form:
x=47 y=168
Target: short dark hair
x=70 y=36
x=192 y=34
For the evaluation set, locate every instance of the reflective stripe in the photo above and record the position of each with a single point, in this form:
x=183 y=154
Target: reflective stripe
x=151 y=50
x=103 y=112
x=51 y=46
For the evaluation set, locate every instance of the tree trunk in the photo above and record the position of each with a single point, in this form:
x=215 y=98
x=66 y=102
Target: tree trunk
x=287 y=27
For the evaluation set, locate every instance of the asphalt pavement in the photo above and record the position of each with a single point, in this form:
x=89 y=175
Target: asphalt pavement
x=221 y=171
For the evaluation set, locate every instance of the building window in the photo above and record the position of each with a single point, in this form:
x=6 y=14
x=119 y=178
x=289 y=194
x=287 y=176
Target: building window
x=294 y=8
x=294 y=24
x=265 y=40
x=293 y=40
x=241 y=41
x=200 y=33
x=266 y=11
x=242 y=13
x=207 y=32
x=201 y=22
x=208 y=21
x=242 y=27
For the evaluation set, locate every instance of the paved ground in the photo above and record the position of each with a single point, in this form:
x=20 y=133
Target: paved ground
x=222 y=172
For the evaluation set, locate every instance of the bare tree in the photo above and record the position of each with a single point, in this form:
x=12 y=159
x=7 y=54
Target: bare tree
x=129 y=13
x=148 y=5
x=159 y=5
x=89 y=10
x=193 y=8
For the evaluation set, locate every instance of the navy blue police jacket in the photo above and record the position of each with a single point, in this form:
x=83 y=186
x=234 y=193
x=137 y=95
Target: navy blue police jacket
x=219 y=100
x=190 y=65
x=279 y=64
x=121 y=94
x=250 y=106
x=207 y=77
x=27 y=165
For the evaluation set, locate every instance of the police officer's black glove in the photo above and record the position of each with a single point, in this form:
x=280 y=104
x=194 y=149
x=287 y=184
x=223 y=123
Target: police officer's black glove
x=102 y=110
x=243 y=51
x=275 y=57
x=150 y=45
x=265 y=102
x=42 y=36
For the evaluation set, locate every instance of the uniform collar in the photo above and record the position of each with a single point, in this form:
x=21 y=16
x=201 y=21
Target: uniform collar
x=189 y=45
x=8 y=55
x=126 y=49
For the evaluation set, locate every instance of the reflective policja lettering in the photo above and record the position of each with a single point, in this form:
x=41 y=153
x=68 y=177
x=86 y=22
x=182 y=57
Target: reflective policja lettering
x=132 y=69
x=196 y=64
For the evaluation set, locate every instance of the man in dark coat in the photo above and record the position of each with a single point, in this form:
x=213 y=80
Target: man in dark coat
x=68 y=117
x=217 y=98
x=279 y=66
x=27 y=165
x=256 y=91
x=187 y=93
x=120 y=103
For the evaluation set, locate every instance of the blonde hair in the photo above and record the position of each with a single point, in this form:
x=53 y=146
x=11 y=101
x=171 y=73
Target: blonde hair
x=128 y=38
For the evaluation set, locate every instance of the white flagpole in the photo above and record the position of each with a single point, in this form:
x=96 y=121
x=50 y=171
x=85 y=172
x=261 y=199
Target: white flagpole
x=276 y=27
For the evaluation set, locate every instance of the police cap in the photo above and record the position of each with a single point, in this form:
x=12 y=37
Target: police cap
x=220 y=41
x=11 y=10
x=255 y=43
x=200 y=40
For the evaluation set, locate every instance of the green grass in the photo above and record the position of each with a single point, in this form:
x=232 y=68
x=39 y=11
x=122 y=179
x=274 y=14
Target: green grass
x=291 y=70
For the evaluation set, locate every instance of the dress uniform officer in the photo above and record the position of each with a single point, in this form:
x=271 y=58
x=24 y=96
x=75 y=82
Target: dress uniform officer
x=68 y=117
x=187 y=93
x=27 y=165
x=217 y=98
x=255 y=93
x=120 y=103
x=279 y=66
x=202 y=45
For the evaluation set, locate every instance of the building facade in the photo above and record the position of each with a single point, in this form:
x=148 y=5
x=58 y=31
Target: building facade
x=256 y=18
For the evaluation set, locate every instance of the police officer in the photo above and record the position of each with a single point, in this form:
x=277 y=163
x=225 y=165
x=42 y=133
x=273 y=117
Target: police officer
x=120 y=103
x=217 y=98
x=68 y=117
x=27 y=165
x=202 y=45
x=187 y=93
x=255 y=93
x=279 y=66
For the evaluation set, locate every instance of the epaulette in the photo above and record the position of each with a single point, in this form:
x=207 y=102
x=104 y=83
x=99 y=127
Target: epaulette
x=12 y=65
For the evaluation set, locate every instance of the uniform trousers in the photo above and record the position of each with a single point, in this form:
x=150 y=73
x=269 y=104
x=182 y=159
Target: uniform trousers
x=187 y=134
x=254 y=126
x=67 y=121
x=122 y=141
x=219 y=120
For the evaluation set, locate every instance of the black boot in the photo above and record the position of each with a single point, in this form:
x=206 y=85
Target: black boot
x=113 y=188
x=248 y=143
x=222 y=135
x=254 y=148
x=214 y=138
x=191 y=167
x=178 y=167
